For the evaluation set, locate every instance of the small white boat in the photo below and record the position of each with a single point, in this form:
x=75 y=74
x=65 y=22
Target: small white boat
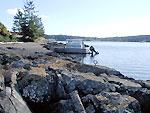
x=73 y=46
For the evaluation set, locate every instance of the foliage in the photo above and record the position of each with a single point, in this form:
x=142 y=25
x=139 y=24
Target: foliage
x=5 y=35
x=8 y=38
x=27 y=23
x=3 y=30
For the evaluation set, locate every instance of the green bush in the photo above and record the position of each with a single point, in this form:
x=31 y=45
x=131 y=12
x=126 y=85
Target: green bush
x=3 y=30
x=8 y=38
x=5 y=35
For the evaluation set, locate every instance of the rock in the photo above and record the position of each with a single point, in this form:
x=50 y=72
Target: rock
x=10 y=77
x=94 y=87
x=40 y=71
x=112 y=102
x=60 y=86
x=8 y=59
x=144 y=84
x=60 y=91
x=37 y=91
x=35 y=56
x=141 y=94
x=86 y=83
x=18 y=64
x=12 y=103
x=27 y=66
x=78 y=106
x=63 y=106
x=97 y=70
x=90 y=109
x=2 y=85
x=71 y=105
x=121 y=81
x=38 y=88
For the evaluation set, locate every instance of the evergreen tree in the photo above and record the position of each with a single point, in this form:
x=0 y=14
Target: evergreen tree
x=27 y=23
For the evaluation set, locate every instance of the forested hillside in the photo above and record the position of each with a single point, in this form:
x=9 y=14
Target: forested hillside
x=140 y=38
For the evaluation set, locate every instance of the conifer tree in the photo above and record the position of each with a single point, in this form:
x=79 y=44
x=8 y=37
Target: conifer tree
x=28 y=23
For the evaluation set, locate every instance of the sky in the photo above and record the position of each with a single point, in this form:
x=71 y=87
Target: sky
x=94 y=18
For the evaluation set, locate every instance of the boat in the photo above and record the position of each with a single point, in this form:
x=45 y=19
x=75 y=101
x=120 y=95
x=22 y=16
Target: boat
x=73 y=46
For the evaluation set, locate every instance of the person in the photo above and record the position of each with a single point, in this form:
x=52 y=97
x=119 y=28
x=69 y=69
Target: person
x=92 y=49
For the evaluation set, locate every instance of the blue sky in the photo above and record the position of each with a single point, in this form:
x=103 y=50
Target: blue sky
x=100 y=18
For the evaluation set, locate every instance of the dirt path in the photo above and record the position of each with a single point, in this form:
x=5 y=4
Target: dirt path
x=22 y=48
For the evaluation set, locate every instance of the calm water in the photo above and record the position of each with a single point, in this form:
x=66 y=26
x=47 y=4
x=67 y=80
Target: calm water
x=130 y=58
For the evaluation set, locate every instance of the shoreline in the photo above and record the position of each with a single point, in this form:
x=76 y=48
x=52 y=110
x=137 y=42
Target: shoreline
x=54 y=82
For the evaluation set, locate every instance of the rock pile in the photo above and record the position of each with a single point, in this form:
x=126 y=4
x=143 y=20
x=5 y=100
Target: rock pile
x=49 y=84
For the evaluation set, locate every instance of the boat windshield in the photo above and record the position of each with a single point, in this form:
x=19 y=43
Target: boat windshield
x=74 y=44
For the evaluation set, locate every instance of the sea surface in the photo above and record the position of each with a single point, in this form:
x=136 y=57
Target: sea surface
x=130 y=58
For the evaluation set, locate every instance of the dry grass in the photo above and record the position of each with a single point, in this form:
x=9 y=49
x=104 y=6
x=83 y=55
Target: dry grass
x=38 y=71
x=60 y=64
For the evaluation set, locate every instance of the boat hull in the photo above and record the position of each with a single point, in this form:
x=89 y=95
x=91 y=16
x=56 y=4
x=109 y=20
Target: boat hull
x=72 y=50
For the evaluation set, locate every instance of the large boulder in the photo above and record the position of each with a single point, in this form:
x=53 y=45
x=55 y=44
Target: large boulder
x=12 y=103
x=38 y=88
x=144 y=84
x=111 y=102
x=10 y=77
x=141 y=94
x=122 y=81
x=72 y=105
x=97 y=70
x=78 y=106
x=94 y=87
x=85 y=83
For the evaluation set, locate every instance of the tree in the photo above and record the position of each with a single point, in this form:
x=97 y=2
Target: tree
x=3 y=30
x=28 y=23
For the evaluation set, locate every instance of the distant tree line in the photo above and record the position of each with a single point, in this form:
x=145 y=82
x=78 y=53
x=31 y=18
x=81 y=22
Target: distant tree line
x=65 y=37
x=140 y=38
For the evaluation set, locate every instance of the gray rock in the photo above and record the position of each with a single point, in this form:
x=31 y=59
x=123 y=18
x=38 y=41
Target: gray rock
x=10 y=77
x=37 y=91
x=90 y=109
x=71 y=105
x=97 y=70
x=125 y=82
x=144 y=84
x=94 y=87
x=37 y=88
x=112 y=102
x=64 y=106
x=19 y=64
x=78 y=106
x=8 y=59
x=2 y=85
x=86 y=83
x=141 y=94
x=12 y=103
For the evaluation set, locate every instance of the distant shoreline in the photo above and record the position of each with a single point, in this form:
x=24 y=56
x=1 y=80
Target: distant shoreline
x=139 y=38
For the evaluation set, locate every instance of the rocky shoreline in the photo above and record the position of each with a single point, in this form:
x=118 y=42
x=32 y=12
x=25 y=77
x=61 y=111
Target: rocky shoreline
x=47 y=82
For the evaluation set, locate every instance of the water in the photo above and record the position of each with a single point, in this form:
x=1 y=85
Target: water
x=130 y=58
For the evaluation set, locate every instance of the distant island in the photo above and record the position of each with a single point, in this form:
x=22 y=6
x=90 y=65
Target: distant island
x=139 y=38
